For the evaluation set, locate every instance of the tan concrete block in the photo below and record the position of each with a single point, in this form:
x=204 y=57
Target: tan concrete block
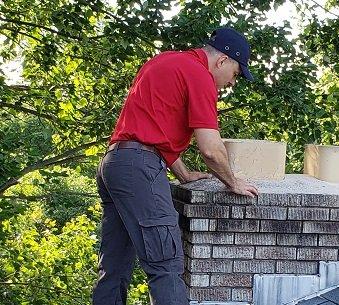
x=322 y=162
x=256 y=159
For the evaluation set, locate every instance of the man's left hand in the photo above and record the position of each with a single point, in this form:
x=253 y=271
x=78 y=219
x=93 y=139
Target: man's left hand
x=193 y=176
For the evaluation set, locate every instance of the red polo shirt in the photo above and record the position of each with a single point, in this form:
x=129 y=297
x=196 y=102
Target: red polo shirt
x=172 y=94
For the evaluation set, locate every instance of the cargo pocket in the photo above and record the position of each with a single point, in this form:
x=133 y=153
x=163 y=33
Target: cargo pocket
x=162 y=238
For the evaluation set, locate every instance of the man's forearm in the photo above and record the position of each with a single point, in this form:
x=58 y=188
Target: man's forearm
x=180 y=170
x=215 y=155
x=218 y=164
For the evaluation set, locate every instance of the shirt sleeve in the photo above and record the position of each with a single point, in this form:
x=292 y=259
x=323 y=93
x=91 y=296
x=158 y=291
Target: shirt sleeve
x=202 y=101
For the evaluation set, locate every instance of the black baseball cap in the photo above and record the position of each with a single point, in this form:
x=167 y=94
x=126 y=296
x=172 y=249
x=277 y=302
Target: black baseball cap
x=235 y=45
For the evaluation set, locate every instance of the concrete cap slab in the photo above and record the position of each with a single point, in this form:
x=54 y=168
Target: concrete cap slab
x=292 y=184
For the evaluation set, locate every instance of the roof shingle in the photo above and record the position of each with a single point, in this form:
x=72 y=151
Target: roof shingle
x=328 y=298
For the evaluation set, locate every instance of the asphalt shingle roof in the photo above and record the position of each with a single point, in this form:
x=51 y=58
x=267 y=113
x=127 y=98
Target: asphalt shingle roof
x=328 y=298
x=332 y=296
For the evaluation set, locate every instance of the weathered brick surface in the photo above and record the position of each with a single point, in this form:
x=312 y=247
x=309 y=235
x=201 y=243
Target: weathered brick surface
x=297 y=239
x=210 y=265
x=317 y=254
x=216 y=238
x=238 y=225
x=190 y=196
x=329 y=240
x=196 y=280
x=232 y=252
x=198 y=251
x=242 y=294
x=197 y=192
x=320 y=200
x=237 y=212
x=334 y=215
x=308 y=214
x=275 y=252
x=233 y=199
x=221 y=294
x=253 y=266
x=206 y=211
x=283 y=200
x=262 y=212
x=255 y=239
x=229 y=238
x=193 y=196
x=297 y=267
x=213 y=225
x=281 y=226
x=329 y=227
x=197 y=224
x=231 y=280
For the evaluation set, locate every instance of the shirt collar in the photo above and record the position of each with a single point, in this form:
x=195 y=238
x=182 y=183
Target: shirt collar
x=201 y=55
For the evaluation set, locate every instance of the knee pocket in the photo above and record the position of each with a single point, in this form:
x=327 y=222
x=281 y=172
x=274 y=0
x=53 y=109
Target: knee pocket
x=162 y=238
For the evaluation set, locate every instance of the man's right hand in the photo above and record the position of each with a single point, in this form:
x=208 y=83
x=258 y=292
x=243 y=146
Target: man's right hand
x=242 y=187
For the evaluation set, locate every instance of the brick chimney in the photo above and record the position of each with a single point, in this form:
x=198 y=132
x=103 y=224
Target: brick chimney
x=270 y=250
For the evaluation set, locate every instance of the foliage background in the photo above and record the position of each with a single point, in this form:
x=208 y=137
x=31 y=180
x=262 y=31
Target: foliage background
x=79 y=59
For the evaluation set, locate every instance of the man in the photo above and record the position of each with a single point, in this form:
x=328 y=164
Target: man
x=173 y=96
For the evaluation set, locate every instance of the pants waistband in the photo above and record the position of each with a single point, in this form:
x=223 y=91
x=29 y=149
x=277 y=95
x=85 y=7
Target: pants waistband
x=134 y=145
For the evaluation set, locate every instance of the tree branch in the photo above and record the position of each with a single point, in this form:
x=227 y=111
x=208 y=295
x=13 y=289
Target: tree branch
x=67 y=156
x=19 y=87
x=233 y=108
x=22 y=12
x=15 y=180
x=34 y=198
x=30 y=24
x=20 y=22
x=324 y=8
x=12 y=39
x=88 y=59
x=27 y=110
x=116 y=18
x=23 y=197
x=28 y=88
x=21 y=33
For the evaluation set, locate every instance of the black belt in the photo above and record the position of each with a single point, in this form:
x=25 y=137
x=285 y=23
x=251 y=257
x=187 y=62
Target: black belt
x=135 y=145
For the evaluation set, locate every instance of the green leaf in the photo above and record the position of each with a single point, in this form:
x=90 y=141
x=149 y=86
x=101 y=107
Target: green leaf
x=82 y=102
x=91 y=151
x=58 y=93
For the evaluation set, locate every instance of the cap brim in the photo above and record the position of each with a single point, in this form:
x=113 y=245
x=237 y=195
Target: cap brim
x=246 y=73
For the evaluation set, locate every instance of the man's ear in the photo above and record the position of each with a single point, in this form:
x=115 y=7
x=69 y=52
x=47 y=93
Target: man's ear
x=221 y=60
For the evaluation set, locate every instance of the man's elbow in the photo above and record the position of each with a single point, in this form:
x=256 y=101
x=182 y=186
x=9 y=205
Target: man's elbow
x=213 y=155
x=207 y=154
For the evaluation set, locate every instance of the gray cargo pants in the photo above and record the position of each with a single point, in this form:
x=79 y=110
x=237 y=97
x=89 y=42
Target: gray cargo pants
x=138 y=219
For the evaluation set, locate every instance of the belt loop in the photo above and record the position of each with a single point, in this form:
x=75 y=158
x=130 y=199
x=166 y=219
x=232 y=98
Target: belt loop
x=139 y=147
x=106 y=150
x=115 y=149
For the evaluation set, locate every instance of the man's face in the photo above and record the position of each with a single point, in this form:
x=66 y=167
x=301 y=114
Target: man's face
x=226 y=72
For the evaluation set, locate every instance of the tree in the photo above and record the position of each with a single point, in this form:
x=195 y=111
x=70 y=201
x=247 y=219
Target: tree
x=80 y=58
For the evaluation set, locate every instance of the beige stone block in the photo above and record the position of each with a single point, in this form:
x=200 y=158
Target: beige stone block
x=256 y=159
x=322 y=162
